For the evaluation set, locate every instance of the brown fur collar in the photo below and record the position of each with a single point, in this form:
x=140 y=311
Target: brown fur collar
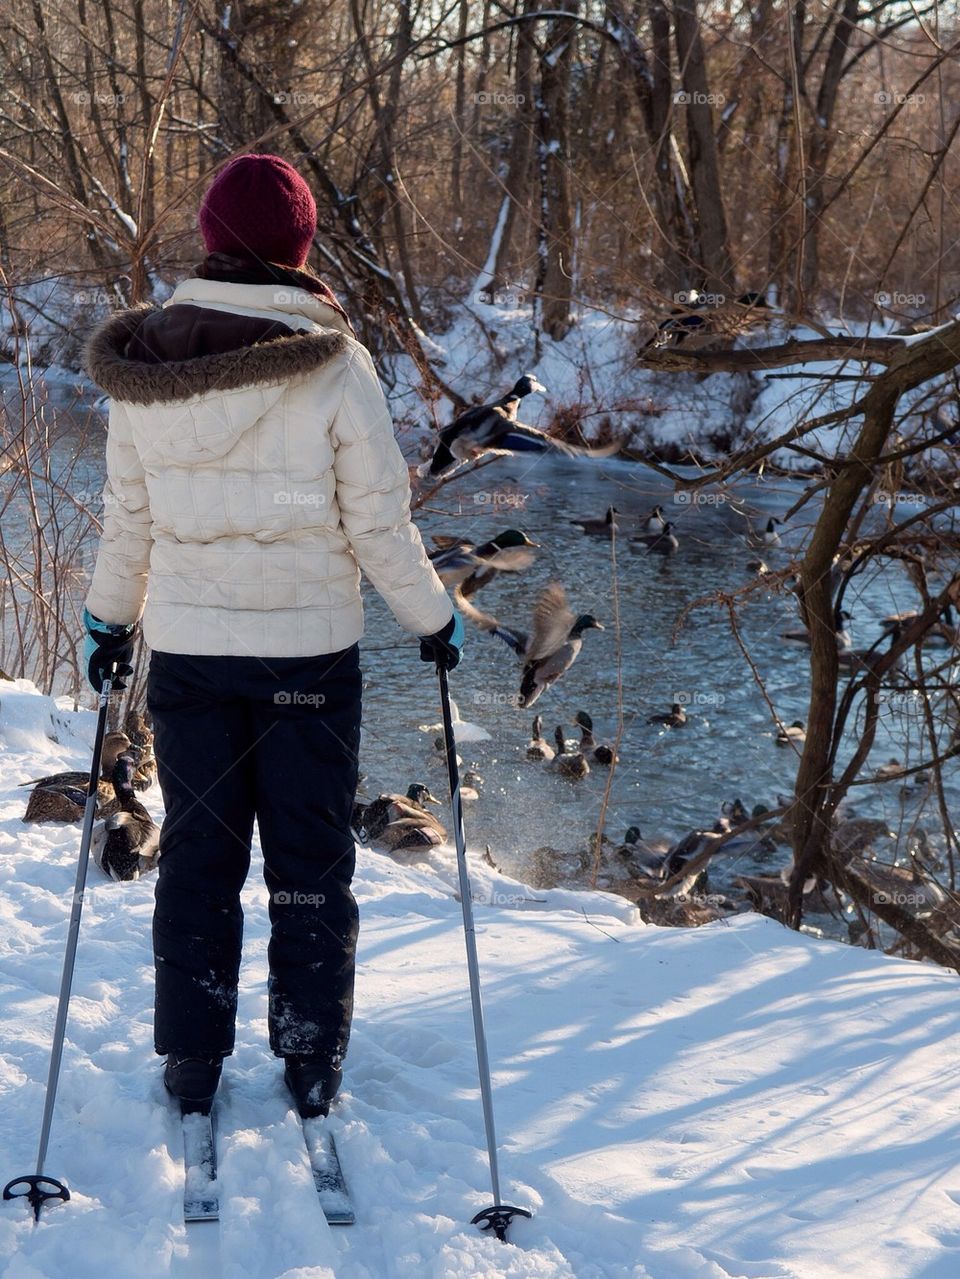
x=140 y=383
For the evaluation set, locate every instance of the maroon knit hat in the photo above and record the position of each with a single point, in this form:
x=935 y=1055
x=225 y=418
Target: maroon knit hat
x=259 y=207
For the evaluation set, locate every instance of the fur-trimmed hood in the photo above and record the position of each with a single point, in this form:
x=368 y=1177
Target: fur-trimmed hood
x=139 y=381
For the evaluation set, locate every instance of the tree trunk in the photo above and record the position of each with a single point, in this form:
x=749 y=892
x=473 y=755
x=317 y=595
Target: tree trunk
x=555 y=242
x=521 y=147
x=702 y=151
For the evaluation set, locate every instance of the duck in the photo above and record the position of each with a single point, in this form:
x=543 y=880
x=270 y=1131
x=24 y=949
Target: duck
x=644 y=858
x=459 y=560
x=127 y=844
x=599 y=752
x=733 y=812
x=62 y=797
x=757 y=566
x=683 y=322
x=767 y=537
x=655 y=523
x=802 y=635
x=493 y=430
x=404 y=813
x=795 y=733
x=552 y=647
x=664 y=543
x=464 y=730
x=470 y=785
x=538 y=748
x=674 y=718
x=439 y=753
x=570 y=764
x=892 y=768
x=604 y=527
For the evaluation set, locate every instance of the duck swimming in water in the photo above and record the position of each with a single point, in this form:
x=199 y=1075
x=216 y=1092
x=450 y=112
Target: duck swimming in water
x=676 y=717
x=571 y=764
x=599 y=752
x=538 y=748
x=603 y=528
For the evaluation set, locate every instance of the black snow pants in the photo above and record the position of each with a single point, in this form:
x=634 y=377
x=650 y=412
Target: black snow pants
x=275 y=739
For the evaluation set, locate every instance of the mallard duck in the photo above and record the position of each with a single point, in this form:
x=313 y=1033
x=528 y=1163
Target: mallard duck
x=386 y=809
x=757 y=566
x=683 y=323
x=644 y=858
x=767 y=537
x=802 y=635
x=674 y=718
x=62 y=797
x=795 y=733
x=127 y=844
x=654 y=524
x=733 y=812
x=599 y=752
x=460 y=561
x=892 y=768
x=571 y=764
x=439 y=753
x=603 y=527
x=471 y=784
x=538 y=748
x=664 y=543
x=493 y=429
x=552 y=648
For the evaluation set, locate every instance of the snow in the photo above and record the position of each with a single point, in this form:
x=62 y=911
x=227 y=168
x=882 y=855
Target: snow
x=736 y=1100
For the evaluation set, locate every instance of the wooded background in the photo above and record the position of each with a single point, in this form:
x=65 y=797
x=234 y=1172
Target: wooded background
x=612 y=153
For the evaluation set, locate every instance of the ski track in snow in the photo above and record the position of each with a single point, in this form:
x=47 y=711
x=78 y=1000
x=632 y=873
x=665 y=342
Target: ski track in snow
x=732 y=1101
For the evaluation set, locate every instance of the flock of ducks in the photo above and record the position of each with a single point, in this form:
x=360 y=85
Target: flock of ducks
x=126 y=840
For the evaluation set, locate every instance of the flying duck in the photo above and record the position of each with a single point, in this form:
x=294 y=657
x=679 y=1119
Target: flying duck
x=458 y=560
x=551 y=649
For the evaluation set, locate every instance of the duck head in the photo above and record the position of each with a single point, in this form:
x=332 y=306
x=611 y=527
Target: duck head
x=561 y=741
x=420 y=794
x=633 y=835
x=583 y=720
x=512 y=537
x=586 y=622
x=122 y=773
x=526 y=385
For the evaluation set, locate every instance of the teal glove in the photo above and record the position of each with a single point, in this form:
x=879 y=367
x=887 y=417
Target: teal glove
x=104 y=645
x=445 y=648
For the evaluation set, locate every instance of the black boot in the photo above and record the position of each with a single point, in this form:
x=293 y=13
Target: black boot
x=313 y=1083
x=193 y=1082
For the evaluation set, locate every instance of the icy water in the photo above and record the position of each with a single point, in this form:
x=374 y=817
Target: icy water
x=668 y=781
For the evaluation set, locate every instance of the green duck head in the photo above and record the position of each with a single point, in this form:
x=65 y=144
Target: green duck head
x=510 y=538
x=586 y=622
x=632 y=836
x=420 y=794
x=583 y=720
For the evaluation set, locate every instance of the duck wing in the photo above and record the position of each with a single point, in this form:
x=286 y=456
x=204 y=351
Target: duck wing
x=515 y=639
x=57 y=780
x=552 y=622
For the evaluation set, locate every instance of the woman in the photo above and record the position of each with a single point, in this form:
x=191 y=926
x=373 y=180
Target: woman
x=252 y=472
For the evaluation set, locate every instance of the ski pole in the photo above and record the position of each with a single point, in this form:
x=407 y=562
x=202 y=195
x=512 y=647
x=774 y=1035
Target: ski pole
x=40 y=1188
x=498 y=1216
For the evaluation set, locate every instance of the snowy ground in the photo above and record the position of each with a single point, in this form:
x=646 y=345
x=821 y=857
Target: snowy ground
x=731 y=1101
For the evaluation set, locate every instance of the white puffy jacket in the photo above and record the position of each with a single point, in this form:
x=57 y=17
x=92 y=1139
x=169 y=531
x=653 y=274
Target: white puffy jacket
x=246 y=490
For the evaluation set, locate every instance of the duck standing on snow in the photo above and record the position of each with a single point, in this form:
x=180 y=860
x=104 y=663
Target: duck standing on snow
x=551 y=649
x=127 y=844
x=570 y=764
x=402 y=821
x=62 y=797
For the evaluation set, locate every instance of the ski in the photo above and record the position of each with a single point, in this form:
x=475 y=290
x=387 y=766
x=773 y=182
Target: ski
x=327 y=1174
x=201 y=1200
